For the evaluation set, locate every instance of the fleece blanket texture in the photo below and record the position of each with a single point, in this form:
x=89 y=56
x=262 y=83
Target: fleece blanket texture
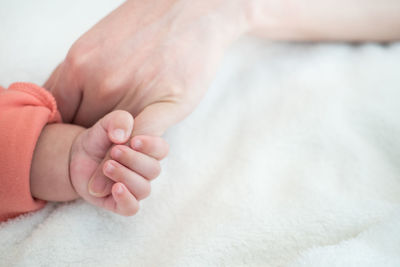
x=292 y=159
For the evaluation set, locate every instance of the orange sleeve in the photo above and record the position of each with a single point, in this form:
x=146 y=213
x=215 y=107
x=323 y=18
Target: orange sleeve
x=25 y=109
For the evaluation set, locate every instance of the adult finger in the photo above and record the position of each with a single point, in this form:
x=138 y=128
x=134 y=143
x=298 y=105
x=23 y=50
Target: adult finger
x=65 y=89
x=152 y=146
x=156 y=118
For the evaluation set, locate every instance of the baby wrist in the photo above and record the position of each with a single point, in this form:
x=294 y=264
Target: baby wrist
x=49 y=177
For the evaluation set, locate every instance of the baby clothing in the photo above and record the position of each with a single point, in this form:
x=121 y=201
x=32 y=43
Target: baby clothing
x=25 y=109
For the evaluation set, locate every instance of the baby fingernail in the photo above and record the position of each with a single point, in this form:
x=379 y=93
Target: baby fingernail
x=137 y=143
x=97 y=186
x=119 y=135
x=109 y=167
x=119 y=189
x=116 y=153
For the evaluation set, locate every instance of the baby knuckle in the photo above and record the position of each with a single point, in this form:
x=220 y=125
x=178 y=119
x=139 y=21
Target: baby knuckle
x=156 y=170
x=145 y=191
x=132 y=211
x=165 y=151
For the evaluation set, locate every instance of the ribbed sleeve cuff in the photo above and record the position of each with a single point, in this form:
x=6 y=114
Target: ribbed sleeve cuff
x=25 y=109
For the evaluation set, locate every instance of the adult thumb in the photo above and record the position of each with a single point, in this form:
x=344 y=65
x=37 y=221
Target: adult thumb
x=156 y=118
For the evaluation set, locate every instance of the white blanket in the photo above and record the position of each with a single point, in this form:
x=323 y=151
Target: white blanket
x=292 y=159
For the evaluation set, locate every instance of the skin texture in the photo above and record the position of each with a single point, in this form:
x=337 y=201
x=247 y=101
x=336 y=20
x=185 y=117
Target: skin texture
x=156 y=58
x=66 y=156
x=153 y=45
x=157 y=65
x=329 y=20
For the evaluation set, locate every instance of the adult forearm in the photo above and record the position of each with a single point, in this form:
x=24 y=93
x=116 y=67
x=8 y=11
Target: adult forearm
x=342 y=20
x=50 y=164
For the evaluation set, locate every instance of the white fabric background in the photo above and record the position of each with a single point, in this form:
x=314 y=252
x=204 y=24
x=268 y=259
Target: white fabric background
x=292 y=159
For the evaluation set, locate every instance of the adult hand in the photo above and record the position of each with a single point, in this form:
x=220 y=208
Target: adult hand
x=153 y=58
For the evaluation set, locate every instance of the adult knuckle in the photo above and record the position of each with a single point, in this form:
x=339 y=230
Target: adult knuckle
x=109 y=89
x=170 y=90
x=76 y=59
x=174 y=92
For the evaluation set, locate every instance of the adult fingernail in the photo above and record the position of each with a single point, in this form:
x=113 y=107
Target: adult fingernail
x=97 y=186
x=119 y=135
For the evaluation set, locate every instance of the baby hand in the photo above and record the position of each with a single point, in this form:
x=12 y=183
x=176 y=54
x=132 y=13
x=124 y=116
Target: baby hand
x=129 y=169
